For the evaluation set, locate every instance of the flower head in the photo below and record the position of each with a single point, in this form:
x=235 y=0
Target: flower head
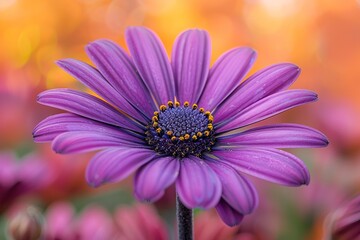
x=181 y=122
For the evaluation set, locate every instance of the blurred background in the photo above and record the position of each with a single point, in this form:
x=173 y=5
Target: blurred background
x=320 y=36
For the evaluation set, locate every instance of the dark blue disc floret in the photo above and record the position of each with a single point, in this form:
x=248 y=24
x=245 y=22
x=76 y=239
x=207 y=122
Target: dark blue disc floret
x=181 y=130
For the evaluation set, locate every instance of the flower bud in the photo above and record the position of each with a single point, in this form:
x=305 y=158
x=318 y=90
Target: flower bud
x=26 y=225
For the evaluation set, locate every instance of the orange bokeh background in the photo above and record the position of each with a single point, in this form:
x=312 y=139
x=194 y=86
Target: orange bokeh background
x=320 y=36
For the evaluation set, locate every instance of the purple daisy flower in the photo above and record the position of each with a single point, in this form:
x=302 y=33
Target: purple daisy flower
x=181 y=122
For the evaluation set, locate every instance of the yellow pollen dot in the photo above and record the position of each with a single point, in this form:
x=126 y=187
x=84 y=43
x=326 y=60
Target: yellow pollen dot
x=210 y=119
x=206 y=133
x=207 y=113
x=186 y=136
x=199 y=134
x=173 y=138
x=163 y=108
x=202 y=110
x=210 y=126
x=186 y=104
x=181 y=138
x=158 y=130
x=177 y=104
x=155 y=119
x=194 y=137
x=156 y=113
x=194 y=106
x=155 y=124
x=170 y=104
x=169 y=133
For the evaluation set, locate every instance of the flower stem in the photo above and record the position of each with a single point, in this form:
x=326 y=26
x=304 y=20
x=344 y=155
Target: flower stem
x=184 y=220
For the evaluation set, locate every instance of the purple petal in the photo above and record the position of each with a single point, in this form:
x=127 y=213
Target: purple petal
x=275 y=136
x=88 y=106
x=91 y=77
x=80 y=141
x=270 y=164
x=114 y=165
x=267 y=107
x=190 y=62
x=237 y=191
x=268 y=81
x=152 y=179
x=230 y=216
x=151 y=61
x=117 y=67
x=225 y=75
x=54 y=125
x=197 y=184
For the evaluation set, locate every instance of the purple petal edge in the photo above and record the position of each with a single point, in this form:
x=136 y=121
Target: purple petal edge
x=269 y=164
x=274 y=136
x=151 y=61
x=190 y=62
x=207 y=190
x=154 y=177
x=225 y=75
x=230 y=216
x=266 y=108
x=115 y=164
x=86 y=105
x=263 y=83
x=115 y=64
x=237 y=191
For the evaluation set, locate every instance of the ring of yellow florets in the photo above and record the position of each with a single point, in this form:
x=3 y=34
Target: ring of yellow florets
x=181 y=130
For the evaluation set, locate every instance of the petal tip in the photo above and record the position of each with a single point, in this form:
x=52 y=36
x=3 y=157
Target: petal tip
x=93 y=179
x=131 y=29
x=306 y=180
x=60 y=62
x=38 y=98
x=150 y=198
x=326 y=142
x=35 y=135
x=65 y=63
x=91 y=45
x=295 y=69
x=94 y=184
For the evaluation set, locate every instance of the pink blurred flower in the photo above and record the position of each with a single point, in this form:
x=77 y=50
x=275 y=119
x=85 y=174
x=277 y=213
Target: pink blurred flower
x=209 y=227
x=18 y=178
x=344 y=223
x=140 y=223
x=93 y=224
x=62 y=187
x=340 y=120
